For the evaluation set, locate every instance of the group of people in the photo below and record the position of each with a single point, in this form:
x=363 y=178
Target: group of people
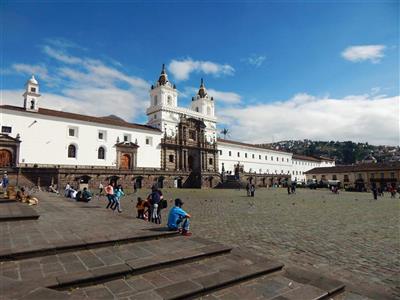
x=148 y=209
x=291 y=187
x=379 y=191
x=83 y=196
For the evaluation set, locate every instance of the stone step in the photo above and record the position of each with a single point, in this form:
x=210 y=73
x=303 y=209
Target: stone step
x=185 y=280
x=137 y=266
x=16 y=211
x=63 y=246
x=289 y=284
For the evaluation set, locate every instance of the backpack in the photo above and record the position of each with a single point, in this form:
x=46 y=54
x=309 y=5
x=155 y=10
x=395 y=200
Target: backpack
x=163 y=204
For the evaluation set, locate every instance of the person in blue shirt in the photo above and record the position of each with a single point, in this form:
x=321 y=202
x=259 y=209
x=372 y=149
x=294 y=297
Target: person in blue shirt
x=178 y=219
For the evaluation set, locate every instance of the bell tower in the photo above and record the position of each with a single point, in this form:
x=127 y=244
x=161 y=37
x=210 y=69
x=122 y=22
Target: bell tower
x=163 y=97
x=202 y=102
x=31 y=95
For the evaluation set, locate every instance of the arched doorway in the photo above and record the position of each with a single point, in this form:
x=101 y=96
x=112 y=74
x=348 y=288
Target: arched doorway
x=138 y=182
x=125 y=162
x=5 y=158
x=160 y=182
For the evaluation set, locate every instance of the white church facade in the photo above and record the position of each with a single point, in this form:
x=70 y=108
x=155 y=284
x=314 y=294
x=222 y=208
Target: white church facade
x=174 y=139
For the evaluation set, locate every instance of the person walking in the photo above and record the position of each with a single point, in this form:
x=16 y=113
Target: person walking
x=248 y=189
x=118 y=193
x=110 y=194
x=178 y=219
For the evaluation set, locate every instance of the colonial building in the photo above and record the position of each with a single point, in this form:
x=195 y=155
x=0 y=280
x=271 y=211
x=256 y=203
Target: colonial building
x=359 y=176
x=178 y=146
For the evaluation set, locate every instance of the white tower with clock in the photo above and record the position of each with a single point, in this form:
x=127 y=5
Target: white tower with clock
x=31 y=95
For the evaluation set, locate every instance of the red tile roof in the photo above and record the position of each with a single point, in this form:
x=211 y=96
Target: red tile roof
x=79 y=117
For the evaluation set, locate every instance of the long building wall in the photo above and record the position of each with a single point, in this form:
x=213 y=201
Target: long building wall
x=45 y=140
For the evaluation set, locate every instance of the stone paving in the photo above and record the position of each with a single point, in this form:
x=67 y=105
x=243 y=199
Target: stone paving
x=347 y=236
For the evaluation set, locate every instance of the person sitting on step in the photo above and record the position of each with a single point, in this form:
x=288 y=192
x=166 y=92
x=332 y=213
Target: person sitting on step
x=178 y=219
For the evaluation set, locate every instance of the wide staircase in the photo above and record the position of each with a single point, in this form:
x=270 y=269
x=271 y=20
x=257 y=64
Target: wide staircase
x=157 y=265
x=231 y=182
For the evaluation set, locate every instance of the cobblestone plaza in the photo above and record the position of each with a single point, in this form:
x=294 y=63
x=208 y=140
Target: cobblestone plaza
x=347 y=236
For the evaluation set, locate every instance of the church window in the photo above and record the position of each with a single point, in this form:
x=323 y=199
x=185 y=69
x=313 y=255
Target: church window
x=252 y=156
x=6 y=129
x=73 y=131
x=197 y=109
x=259 y=157
x=266 y=157
x=155 y=100
x=72 y=151
x=101 y=135
x=277 y=159
x=101 y=153
x=238 y=154
x=32 y=104
x=169 y=100
x=210 y=161
x=192 y=135
x=220 y=152
x=127 y=138
x=171 y=158
x=230 y=153
x=245 y=155
x=155 y=116
x=33 y=89
x=149 y=140
x=272 y=158
x=283 y=159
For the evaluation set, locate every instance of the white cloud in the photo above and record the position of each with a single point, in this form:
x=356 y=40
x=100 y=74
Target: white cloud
x=374 y=53
x=31 y=70
x=226 y=97
x=219 y=96
x=181 y=69
x=255 y=60
x=360 y=118
x=86 y=85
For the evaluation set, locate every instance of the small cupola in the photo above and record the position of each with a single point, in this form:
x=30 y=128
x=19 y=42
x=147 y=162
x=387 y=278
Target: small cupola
x=163 y=79
x=202 y=90
x=31 y=95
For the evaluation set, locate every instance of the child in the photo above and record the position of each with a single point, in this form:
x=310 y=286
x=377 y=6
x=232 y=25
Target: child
x=140 y=208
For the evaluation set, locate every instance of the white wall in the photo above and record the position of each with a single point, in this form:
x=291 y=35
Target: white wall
x=45 y=140
x=302 y=165
x=271 y=162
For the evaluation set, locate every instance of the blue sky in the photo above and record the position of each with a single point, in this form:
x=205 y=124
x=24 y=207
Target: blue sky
x=276 y=70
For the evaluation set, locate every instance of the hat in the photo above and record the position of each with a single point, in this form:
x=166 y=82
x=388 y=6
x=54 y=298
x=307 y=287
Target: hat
x=178 y=202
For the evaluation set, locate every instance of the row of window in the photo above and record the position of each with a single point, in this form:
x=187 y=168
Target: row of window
x=259 y=156
x=359 y=176
x=171 y=159
x=102 y=135
x=73 y=152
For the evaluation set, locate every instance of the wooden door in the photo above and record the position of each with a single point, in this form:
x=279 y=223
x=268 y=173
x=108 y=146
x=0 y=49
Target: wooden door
x=125 y=162
x=5 y=158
